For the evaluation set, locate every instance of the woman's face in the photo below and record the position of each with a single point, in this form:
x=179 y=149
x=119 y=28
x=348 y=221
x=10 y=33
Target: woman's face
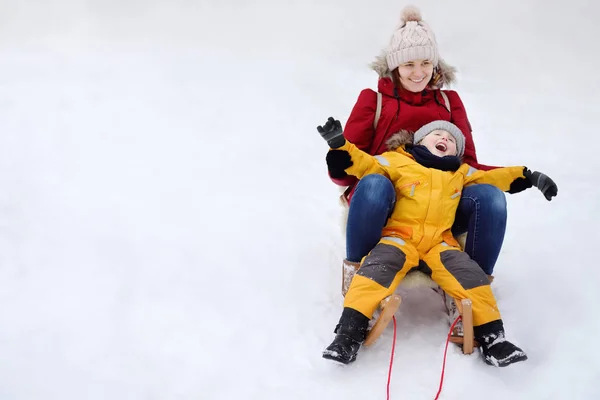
x=415 y=75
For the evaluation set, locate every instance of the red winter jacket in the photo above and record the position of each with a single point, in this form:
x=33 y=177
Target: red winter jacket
x=408 y=111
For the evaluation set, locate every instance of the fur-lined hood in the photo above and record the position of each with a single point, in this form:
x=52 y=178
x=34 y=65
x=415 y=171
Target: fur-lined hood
x=399 y=139
x=447 y=72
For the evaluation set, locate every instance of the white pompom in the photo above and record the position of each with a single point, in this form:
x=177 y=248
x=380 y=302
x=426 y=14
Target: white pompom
x=411 y=13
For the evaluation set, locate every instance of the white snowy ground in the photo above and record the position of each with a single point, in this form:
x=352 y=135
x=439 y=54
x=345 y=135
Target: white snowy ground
x=168 y=230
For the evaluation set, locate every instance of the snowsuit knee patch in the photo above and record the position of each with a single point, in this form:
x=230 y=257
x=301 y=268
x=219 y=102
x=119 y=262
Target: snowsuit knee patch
x=466 y=271
x=382 y=264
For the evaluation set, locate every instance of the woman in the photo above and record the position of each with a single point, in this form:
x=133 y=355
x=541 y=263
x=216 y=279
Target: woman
x=411 y=77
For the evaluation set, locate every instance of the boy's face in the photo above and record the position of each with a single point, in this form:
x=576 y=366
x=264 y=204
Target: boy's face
x=440 y=143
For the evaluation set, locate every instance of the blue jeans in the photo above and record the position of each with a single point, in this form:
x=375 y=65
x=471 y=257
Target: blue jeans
x=481 y=213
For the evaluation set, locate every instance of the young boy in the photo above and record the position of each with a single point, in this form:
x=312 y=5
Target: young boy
x=428 y=177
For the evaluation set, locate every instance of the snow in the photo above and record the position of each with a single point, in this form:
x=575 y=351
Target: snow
x=168 y=230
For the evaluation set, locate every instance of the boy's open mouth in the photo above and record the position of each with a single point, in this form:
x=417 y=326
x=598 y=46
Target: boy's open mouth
x=441 y=147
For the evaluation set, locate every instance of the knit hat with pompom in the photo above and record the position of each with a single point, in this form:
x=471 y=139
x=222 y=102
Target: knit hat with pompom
x=413 y=40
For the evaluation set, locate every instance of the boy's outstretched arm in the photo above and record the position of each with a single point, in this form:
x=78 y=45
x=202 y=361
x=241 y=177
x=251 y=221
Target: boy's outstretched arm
x=344 y=158
x=514 y=180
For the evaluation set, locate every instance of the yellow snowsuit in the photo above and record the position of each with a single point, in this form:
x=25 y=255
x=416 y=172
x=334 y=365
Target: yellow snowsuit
x=419 y=229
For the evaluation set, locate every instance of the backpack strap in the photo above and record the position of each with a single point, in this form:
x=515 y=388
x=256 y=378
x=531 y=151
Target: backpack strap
x=446 y=101
x=377 y=111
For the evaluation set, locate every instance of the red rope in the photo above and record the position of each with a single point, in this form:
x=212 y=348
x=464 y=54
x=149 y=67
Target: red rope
x=391 y=360
x=444 y=362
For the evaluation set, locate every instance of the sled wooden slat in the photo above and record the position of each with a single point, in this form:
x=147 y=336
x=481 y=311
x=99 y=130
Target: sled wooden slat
x=389 y=306
x=460 y=341
x=465 y=307
x=467 y=319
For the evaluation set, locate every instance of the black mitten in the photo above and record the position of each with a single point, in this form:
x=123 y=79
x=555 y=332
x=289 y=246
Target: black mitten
x=337 y=162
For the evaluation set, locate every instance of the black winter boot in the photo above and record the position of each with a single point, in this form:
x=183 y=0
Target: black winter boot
x=497 y=351
x=350 y=333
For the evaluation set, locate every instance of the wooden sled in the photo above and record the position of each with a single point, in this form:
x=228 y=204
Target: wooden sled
x=390 y=305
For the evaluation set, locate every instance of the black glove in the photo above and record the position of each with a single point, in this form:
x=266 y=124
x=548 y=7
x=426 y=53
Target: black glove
x=333 y=133
x=542 y=182
x=337 y=162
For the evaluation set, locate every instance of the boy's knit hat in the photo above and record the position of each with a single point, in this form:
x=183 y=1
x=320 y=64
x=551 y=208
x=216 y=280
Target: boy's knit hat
x=413 y=40
x=445 y=126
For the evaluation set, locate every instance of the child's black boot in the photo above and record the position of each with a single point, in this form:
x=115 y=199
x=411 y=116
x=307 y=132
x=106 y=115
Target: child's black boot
x=497 y=351
x=351 y=331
